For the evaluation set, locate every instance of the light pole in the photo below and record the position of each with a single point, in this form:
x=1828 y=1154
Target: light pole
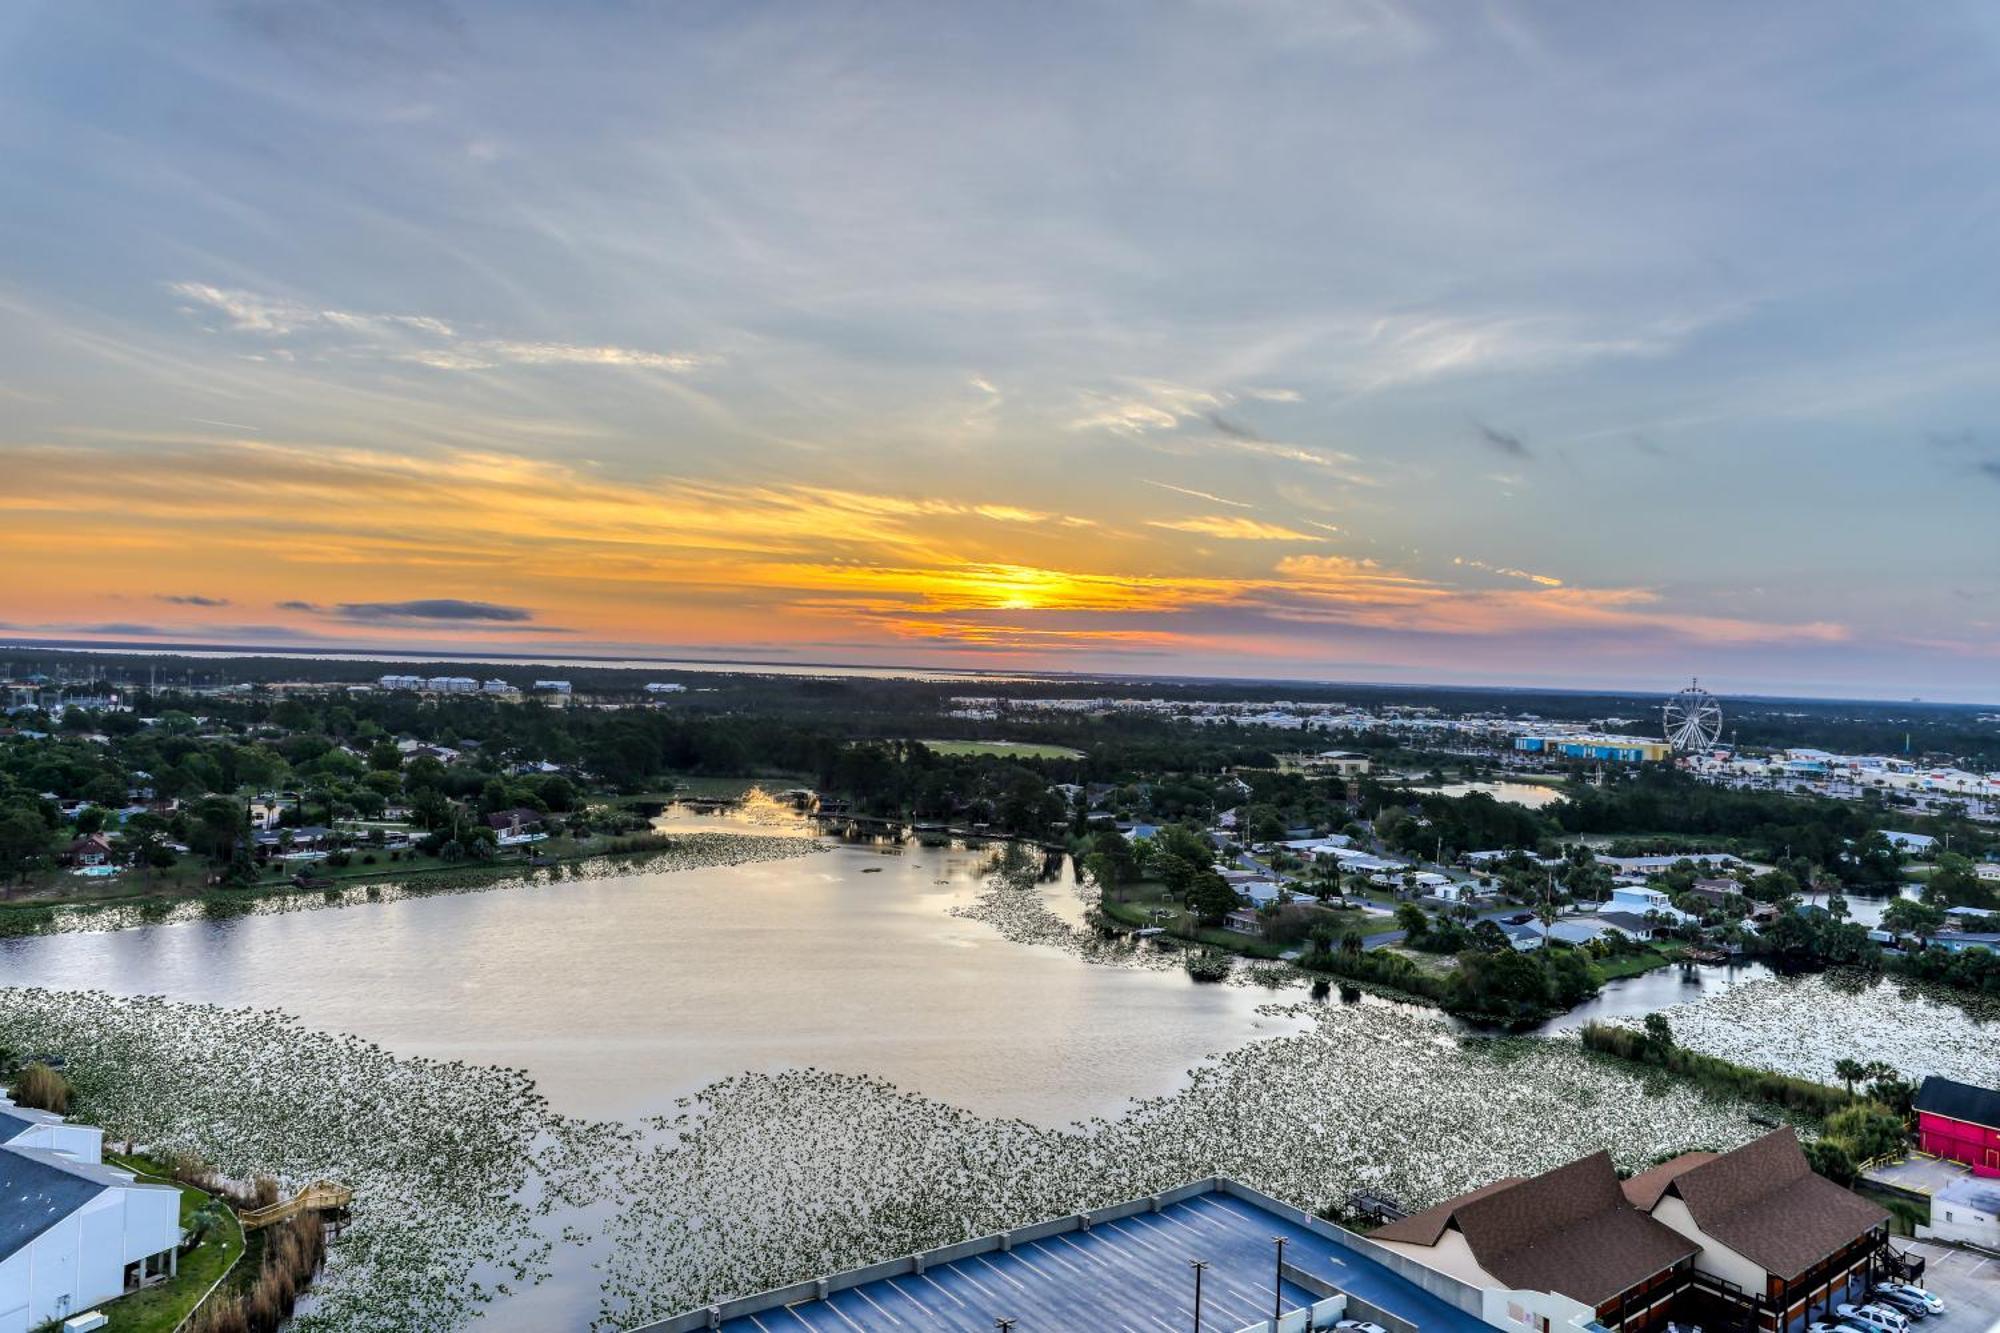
x=1278 y=1283
x=1197 y=1265
x=1004 y=1325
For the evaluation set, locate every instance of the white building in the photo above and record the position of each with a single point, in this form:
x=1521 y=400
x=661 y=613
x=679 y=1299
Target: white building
x=666 y=687
x=1917 y=844
x=550 y=687
x=452 y=685
x=1966 y=1212
x=1639 y=900
x=1988 y=871
x=74 y=1233
x=401 y=682
x=25 y=1127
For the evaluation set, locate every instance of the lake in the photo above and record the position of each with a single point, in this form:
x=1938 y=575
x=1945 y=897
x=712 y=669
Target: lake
x=1531 y=794
x=620 y=994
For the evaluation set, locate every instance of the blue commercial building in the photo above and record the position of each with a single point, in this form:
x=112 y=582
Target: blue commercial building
x=1124 y=1269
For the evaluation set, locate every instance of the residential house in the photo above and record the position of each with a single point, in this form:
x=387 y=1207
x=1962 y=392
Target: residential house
x=1961 y=1123
x=1640 y=900
x=76 y=1233
x=1988 y=871
x=93 y=849
x=1243 y=921
x=1916 y=844
x=516 y=823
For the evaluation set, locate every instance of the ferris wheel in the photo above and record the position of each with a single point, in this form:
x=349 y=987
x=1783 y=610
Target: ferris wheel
x=1693 y=719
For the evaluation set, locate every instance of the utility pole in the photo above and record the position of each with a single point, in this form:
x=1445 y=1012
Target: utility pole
x=1198 y=1265
x=1278 y=1283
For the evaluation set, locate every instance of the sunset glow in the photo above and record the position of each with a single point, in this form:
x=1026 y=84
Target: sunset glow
x=826 y=350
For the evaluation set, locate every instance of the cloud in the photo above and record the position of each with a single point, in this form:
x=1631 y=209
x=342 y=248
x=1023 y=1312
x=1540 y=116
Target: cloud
x=192 y=599
x=1275 y=395
x=1505 y=441
x=1199 y=495
x=254 y=312
x=1545 y=580
x=487 y=354
x=299 y=606
x=434 y=608
x=416 y=339
x=1235 y=528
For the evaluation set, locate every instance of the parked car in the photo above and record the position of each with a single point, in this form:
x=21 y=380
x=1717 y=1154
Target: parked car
x=1519 y=918
x=1933 y=1304
x=1832 y=1328
x=1873 y=1318
x=1895 y=1298
x=1359 y=1326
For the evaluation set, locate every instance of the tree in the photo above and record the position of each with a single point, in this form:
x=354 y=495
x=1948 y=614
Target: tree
x=24 y=842
x=1867 y=1130
x=1659 y=1035
x=1849 y=1071
x=1905 y=917
x=1209 y=896
x=1412 y=921
x=1489 y=938
x=1830 y=1158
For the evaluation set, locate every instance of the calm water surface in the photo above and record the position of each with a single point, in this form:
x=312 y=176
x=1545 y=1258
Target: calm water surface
x=620 y=994
x=1531 y=794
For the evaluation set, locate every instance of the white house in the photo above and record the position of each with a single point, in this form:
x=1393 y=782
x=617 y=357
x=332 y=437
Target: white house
x=1917 y=844
x=1988 y=871
x=76 y=1234
x=1640 y=900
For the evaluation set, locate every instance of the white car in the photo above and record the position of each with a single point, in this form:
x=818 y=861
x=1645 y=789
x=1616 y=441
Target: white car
x=1832 y=1328
x=1873 y=1318
x=1359 y=1326
x=1934 y=1304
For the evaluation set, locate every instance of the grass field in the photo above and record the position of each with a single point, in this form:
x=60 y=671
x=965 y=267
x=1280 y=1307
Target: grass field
x=1003 y=749
x=161 y=1309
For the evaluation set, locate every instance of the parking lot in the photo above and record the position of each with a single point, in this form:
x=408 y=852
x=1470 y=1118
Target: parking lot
x=1968 y=1282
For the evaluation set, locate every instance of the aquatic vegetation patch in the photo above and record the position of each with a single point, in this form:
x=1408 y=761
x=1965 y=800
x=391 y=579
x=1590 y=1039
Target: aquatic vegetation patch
x=1801 y=1025
x=766 y=1179
x=442 y=1155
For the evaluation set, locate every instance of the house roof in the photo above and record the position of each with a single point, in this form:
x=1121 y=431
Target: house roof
x=37 y=1190
x=1763 y=1201
x=1959 y=1101
x=1568 y=1230
x=1644 y=1190
x=18 y=1120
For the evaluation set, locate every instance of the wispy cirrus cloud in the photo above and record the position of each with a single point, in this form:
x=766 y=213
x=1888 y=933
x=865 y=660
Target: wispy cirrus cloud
x=416 y=339
x=1234 y=528
x=191 y=599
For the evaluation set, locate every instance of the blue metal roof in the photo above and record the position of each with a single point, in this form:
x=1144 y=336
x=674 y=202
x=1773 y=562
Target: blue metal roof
x=1130 y=1275
x=38 y=1190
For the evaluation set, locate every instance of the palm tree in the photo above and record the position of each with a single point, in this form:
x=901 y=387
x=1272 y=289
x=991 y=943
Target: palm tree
x=1849 y=1072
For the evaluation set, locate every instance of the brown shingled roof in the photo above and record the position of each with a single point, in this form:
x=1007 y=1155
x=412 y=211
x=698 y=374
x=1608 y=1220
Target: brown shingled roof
x=1568 y=1230
x=1644 y=1190
x=1764 y=1202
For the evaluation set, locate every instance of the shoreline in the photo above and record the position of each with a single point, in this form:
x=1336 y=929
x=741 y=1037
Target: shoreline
x=25 y=920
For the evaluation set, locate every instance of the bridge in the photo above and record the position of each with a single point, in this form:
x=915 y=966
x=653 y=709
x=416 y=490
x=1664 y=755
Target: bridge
x=322 y=1196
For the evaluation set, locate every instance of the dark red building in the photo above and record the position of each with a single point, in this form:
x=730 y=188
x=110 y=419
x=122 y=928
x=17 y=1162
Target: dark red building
x=1960 y=1123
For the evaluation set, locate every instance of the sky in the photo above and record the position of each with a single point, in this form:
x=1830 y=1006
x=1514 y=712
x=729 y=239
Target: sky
x=1546 y=344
